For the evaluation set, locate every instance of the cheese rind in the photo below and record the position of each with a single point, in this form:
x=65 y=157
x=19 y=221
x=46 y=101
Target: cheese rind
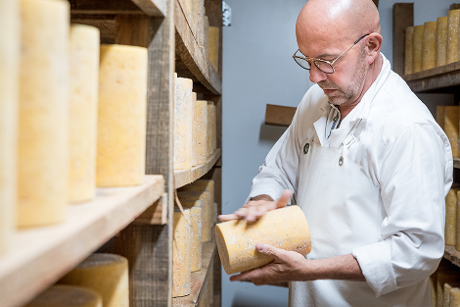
x=285 y=228
x=445 y=275
x=196 y=220
x=202 y=131
x=450 y=230
x=448 y=286
x=181 y=254
x=418 y=47
x=454 y=300
x=453 y=23
x=211 y=127
x=67 y=296
x=183 y=130
x=121 y=116
x=43 y=113
x=451 y=127
x=429 y=45
x=84 y=86
x=106 y=274
x=214 y=46
x=441 y=41
x=409 y=54
x=205 y=197
x=194 y=131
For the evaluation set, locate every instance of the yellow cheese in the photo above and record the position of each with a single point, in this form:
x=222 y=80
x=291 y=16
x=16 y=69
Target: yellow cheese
x=429 y=45
x=451 y=217
x=106 y=274
x=84 y=85
x=67 y=296
x=205 y=198
x=211 y=127
x=453 y=23
x=285 y=228
x=214 y=46
x=183 y=124
x=457 y=224
x=194 y=130
x=440 y=112
x=202 y=131
x=409 y=53
x=181 y=251
x=9 y=74
x=445 y=275
x=454 y=297
x=121 y=116
x=448 y=286
x=418 y=47
x=43 y=112
x=196 y=220
x=451 y=127
x=441 y=41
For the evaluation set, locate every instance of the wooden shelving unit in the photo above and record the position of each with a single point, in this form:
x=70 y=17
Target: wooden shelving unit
x=182 y=178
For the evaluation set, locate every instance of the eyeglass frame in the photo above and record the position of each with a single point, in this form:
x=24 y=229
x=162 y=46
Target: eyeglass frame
x=307 y=59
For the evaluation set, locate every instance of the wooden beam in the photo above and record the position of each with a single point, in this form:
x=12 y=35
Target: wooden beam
x=279 y=115
x=403 y=17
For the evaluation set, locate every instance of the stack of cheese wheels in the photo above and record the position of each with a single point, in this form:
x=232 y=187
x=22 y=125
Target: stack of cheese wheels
x=202 y=131
x=454 y=300
x=205 y=197
x=451 y=217
x=9 y=72
x=122 y=115
x=409 y=54
x=214 y=46
x=196 y=220
x=67 y=296
x=445 y=274
x=448 y=286
x=181 y=256
x=453 y=24
x=441 y=41
x=84 y=79
x=183 y=124
x=429 y=45
x=285 y=228
x=43 y=112
x=211 y=127
x=106 y=274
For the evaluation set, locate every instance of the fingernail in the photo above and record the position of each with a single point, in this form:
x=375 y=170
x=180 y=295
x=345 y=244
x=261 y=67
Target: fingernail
x=260 y=246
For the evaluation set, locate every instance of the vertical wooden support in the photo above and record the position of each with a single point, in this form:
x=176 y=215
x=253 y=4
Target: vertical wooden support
x=403 y=17
x=149 y=247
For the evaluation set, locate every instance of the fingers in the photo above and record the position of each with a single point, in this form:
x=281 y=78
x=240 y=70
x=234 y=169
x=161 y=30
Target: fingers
x=269 y=250
x=284 y=199
x=228 y=217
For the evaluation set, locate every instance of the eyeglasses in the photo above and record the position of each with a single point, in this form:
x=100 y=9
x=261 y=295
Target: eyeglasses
x=323 y=65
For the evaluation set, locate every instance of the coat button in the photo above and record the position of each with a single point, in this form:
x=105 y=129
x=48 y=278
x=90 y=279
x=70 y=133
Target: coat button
x=341 y=161
x=306 y=148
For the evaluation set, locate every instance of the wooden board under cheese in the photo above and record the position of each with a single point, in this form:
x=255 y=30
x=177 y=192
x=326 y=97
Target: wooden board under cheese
x=285 y=228
x=202 y=131
x=67 y=296
x=181 y=254
x=84 y=87
x=121 y=116
x=453 y=24
x=107 y=274
x=43 y=113
x=211 y=127
x=429 y=45
x=441 y=41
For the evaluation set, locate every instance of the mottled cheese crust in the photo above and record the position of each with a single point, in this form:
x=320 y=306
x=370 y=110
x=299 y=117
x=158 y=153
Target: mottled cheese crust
x=67 y=296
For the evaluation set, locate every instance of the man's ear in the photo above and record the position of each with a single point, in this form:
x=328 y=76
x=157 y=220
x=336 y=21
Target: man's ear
x=373 y=46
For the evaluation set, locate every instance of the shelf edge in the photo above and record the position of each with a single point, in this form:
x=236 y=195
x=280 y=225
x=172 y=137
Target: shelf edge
x=185 y=177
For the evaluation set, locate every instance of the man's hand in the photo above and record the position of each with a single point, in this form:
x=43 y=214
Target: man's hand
x=287 y=266
x=257 y=207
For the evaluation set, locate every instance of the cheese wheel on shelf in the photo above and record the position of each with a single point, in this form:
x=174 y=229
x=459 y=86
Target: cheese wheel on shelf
x=448 y=286
x=194 y=131
x=106 y=274
x=445 y=274
x=43 y=156
x=196 y=220
x=204 y=185
x=202 y=131
x=440 y=112
x=451 y=127
x=418 y=47
x=457 y=224
x=285 y=228
x=409 y=54
x=183 y=132
x=121 y=116
x=67 y=296
x=429 y=45
x=211 y=127
x=450 y=230
x=441 y=41
x=84 y=85
x=214 y=46
x=205 y=198
x=454 y=300
x=9 y=86
x=453 y=24
x=181 y=254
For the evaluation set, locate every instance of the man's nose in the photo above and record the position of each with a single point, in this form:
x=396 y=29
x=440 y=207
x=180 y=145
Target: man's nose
x=317 y=75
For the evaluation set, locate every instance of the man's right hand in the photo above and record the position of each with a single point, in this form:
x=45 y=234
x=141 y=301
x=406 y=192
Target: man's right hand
x=257 y=207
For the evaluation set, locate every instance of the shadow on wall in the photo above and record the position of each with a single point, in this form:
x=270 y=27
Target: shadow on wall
x=269 y=134
x=244 y=300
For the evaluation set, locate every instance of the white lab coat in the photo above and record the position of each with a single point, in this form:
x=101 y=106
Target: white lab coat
x=394 y=145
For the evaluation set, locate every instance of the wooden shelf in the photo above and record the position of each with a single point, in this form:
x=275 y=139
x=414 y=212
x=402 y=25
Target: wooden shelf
x=40 y=256
x=193 y=61
x=456 y=162
x=182 y=178
x=153 y=8
x=452 y=255
x=436 y=78
x=198 y=278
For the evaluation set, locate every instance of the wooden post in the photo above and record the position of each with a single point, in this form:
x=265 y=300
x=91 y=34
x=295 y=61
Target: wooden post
x=403 y=17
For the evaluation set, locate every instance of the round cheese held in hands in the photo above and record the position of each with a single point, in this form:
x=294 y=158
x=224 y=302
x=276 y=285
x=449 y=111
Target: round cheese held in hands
x=285 y=228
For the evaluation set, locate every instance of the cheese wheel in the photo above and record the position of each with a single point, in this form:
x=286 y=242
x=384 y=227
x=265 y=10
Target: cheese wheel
x=205 y=197
x=196 y=220
x=418 y=47
x=457 y=224
x=409 y=53
x=202 y=131
x=285 y=228
x=121 y=116
x=67 y=296
x=453 y=24
x=440 y=112
x=106 y=274
x=84 y=85
x=181 y=254
x=448 y=286
x=183 y=132
x=9 y=74
x=211 y=127
x=448 y=274
x=454 y=300
x=214 y=46
x=441 y=41
x=43 y=113
x=429 y=45
x=451 y=217
x=194 y=130
x=451 y=127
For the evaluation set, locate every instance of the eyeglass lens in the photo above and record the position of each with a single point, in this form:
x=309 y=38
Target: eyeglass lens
x=323 y=66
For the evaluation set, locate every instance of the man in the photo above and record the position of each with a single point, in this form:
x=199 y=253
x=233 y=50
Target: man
x=367 y=164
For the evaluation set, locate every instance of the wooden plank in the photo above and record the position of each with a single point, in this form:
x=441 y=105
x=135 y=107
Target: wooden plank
x=193 y=56
x=456 y=162
x=198 y=278
x=452 y=255
x=435 y=82
x=184 y=177
x=454 y=6
x=40 y=256
x=403 y=17
x=279 y=115
x=157 y=214
x=152 y=8
x=434 y=72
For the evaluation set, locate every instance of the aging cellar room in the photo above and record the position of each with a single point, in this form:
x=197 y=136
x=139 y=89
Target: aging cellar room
x=233 y=153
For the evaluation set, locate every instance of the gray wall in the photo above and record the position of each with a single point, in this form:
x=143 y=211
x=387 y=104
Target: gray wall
x=258 y=70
